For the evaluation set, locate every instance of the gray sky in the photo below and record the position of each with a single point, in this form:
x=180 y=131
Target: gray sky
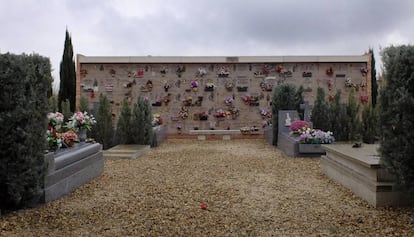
x=204 y=27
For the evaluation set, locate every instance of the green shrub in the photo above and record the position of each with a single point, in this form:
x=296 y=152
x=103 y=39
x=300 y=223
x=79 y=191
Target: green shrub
x=320 y=111
x=25 y=81
x=123 y=128
x=141 y=127
x=396 y=114
x=104 y=130
x=84 y=104
x=369 y=124
x=284 y=97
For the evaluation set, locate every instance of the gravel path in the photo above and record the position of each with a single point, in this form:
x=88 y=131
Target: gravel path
x=250 y=187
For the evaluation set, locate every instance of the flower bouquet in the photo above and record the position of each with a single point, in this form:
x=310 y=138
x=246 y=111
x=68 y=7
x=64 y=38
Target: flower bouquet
x=69 y=138
x=81 y=120
x=306 y=135
x=55 y=120
x=228 y=100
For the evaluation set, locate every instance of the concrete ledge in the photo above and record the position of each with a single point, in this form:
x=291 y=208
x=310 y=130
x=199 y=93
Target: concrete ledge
x=226 y=133
x=360 y=171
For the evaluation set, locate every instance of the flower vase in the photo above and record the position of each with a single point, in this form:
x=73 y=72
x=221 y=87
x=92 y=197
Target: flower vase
x=82 y=135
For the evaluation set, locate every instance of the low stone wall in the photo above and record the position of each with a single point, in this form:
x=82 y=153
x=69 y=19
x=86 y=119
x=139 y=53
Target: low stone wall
x=70 y=168
x=359 y=169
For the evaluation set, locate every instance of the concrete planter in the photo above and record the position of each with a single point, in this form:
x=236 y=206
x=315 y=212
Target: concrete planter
x=70 y=168
x=311 y=149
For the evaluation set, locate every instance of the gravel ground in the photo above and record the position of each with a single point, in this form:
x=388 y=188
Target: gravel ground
x=250 y=188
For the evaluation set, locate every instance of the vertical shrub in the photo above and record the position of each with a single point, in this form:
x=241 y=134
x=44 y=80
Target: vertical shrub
x=283 y=98
x=65 y=105
x=397 y=114
x=320 y=111
x=25 y=81
x=67 y=73
x=141 y=128
x=84 y=104
x=104 y=128
x=299 y=99
x=354 y=123
x=369 y=124
x=53 y=104
x=123 y=134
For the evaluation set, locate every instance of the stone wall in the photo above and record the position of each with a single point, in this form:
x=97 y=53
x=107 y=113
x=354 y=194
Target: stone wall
x=148 y=77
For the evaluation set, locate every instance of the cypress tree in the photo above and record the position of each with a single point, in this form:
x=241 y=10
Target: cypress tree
x=104 y=128
x=369 y=124
x=320 y=111
x=67 y=89
x=335 y=125
x=53 y=104
x=65 y=105
x=123 y=134
x=283 y=98
x=374 y=84
x=354 y=124
x=397 y=114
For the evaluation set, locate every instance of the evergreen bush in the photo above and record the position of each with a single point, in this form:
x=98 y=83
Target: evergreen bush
x=284 y=97
x=354 y=122
x=84 y=104
x=123 y=134
x=320 y=111
x=53 y=106
x=397 y=114
x=104 y=129
x=67 y=89
x=141 y=127
x=65 y=105
x=25 y=81
x=369 y=124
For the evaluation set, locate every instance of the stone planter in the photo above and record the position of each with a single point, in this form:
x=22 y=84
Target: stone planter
x=311 y=149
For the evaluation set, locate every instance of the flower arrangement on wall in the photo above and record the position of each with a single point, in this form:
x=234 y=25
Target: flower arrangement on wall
x=180 y=70
x=329 y=71
x=201 y=71
x=220 y=113
x=266 y=86
x=183 y=113
x=228 y=100
x=364 y=70
x=224 y=71
x=209 y=86
x=156 y=120
x=265 y=113
x=229 y=85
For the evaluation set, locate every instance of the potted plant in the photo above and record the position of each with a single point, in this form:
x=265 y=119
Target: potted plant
x=310 y=139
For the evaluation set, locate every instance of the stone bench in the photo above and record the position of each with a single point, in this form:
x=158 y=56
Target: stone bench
x=70 y=168
x=226 y=133
x=359 y=169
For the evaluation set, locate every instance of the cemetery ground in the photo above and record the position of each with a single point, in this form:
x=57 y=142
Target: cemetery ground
x=250 y=188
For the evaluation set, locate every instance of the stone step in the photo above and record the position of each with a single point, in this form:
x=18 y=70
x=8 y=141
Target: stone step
x=126 y=151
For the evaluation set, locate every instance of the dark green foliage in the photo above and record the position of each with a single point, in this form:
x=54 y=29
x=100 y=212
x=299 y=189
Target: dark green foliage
x=25 y=81
x=299 y=99
x=320 y=111
x=354 y=123
x=65 y=105
x=104 y=129
x=53 y=104
x=397 y=114
x=338 y=118
x=284 y=97
x=84 y=104
x=369 y=124
x=67 y=89
x=123 y=134
x=141 y=128
x=374 y=84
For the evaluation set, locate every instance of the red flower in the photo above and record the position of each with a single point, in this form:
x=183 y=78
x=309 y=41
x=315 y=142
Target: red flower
x=203 y=206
